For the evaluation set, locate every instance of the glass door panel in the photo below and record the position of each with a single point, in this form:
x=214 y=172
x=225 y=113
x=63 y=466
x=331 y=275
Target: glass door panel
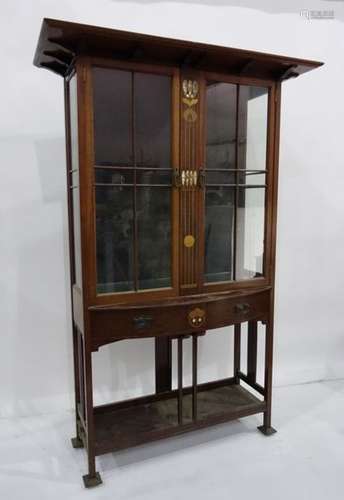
x=220 y=181
x=154 y=237
x=219 y=226
x=252 y=124
x=152 y=95
x=133 y=180
x=115 y=228
x=152 y=121
x=250 y=233
x=112 y=117
x=221 y=125
x=236 y=148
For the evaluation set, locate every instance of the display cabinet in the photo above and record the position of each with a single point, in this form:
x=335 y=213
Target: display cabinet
x=172 y=158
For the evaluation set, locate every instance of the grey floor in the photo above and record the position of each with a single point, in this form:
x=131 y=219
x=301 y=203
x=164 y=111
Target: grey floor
x=305 y=460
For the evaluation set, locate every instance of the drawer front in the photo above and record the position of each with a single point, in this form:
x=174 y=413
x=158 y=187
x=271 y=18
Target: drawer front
x=238 y=310
x=137 y=322
x=108 y=325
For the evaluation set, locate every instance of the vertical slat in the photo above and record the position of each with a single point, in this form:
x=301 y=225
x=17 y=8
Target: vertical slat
x=163 y=364
x=252 y=338
x=194 y=375
x=237 y=351
x=180 y=380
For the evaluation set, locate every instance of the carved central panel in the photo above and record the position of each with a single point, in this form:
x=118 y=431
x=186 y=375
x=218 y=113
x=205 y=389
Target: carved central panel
x=190 y=181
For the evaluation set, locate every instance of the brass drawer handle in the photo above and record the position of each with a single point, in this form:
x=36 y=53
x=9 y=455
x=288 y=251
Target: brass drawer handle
x=196 y=317
x=242 y=308
x=141 y=322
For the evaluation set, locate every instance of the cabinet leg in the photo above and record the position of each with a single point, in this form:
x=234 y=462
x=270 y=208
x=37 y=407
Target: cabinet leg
x=93 y=477
x=90 y=481
x=77 y=443
x=266 y=428
x=237 y=352
x=163 y=364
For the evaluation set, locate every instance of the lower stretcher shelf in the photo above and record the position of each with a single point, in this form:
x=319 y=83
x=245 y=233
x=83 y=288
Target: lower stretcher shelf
x=144 y=419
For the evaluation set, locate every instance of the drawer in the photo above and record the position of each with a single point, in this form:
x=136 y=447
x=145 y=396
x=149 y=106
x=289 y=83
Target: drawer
x=238 y=310
x=183 y=315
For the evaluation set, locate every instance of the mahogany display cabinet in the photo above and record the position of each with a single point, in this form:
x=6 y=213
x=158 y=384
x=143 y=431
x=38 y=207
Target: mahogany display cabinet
x=172 y=159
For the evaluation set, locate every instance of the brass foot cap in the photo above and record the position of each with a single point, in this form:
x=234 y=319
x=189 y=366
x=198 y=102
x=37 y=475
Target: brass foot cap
x=267 y=431
x=91 y=481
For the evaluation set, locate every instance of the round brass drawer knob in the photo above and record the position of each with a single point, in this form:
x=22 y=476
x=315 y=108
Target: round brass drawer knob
x=196 y=317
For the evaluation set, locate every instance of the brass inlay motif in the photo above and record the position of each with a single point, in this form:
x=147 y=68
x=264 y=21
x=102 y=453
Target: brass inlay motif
x=189 y=178
x=190 y=115
x=196 y=317
x=190 y=91
x=189 y=241
x=189 y=182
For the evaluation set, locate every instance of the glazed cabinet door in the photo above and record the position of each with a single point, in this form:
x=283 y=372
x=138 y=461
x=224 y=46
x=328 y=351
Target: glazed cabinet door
x=135 y=204
x=235 y=195
x=224 y=167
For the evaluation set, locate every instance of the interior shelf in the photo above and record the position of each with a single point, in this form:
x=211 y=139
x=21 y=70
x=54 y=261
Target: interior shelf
x=144 y=419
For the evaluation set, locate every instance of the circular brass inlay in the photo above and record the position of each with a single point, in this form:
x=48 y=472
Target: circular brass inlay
x=189 y=241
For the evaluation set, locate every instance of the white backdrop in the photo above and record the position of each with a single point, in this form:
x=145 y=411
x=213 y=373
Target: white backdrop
x=36 y=349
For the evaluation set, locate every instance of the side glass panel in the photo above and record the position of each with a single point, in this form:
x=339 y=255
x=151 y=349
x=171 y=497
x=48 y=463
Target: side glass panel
x=73 y=113
x=132 y=134
x=235 y=181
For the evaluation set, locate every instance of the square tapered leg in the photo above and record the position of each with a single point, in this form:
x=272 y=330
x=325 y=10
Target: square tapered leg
x=90 y=481
x=267 y=431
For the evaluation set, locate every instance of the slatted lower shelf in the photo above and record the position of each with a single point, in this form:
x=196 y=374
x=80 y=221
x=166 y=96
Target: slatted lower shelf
x=149 y=418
